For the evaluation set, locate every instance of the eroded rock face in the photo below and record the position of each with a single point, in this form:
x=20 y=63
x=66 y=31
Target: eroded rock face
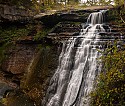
x=41 y=71
x=30 y=65
x=19 y=58
x=13 y=13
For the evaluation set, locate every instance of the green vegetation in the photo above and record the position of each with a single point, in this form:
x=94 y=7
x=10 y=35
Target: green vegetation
x=119 y=2
x=110 y=88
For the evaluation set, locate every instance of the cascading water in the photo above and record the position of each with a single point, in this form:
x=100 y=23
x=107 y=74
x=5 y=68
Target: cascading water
x=74 y=78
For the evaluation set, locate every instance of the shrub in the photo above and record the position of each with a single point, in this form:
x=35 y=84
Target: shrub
x=110 y=89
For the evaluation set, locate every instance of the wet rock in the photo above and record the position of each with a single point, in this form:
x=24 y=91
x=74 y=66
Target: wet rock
x=3 y=88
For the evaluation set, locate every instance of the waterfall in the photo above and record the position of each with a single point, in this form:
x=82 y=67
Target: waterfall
x=78 y=66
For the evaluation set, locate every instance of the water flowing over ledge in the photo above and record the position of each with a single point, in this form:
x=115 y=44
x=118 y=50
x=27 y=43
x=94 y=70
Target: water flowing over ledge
x=78 y=66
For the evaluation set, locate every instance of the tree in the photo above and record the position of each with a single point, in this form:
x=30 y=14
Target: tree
x=119 y=2
x=110 y=90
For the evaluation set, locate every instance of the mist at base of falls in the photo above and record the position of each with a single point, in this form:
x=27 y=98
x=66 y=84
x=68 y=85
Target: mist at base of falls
x=78 y=65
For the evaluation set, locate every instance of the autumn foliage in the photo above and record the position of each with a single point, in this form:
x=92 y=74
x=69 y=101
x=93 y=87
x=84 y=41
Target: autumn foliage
x=110 y=90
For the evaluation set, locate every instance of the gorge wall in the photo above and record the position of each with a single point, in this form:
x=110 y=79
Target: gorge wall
x=30 y=64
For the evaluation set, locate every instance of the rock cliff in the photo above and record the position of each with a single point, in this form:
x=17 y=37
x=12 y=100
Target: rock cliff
x=13 y=13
